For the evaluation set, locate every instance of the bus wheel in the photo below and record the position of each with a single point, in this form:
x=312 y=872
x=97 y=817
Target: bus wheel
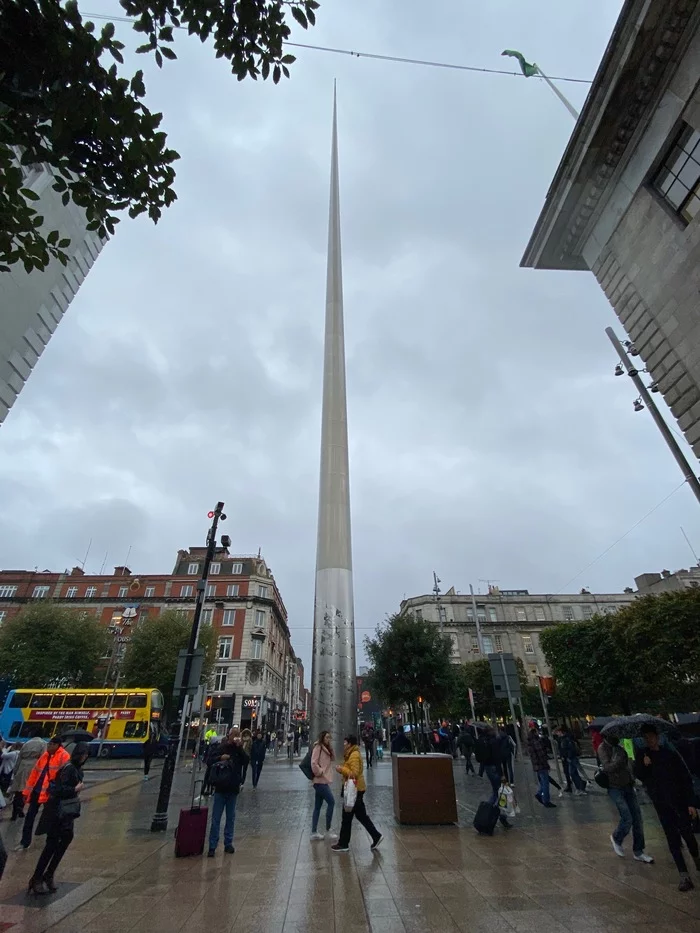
x=105 y=751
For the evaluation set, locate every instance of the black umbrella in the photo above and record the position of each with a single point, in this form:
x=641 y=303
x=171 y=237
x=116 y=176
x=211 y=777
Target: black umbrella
x=629 y=727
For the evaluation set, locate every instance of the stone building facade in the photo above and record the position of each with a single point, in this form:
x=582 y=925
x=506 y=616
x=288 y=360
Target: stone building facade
x=32 y=304
x=257 y=677
x=625 y=200
x=510 y=620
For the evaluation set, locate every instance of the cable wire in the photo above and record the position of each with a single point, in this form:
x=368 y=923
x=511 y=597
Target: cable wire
x=383 y=58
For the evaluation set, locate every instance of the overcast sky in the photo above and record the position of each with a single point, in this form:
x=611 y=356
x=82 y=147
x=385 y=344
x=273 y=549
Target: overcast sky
x=489 y=438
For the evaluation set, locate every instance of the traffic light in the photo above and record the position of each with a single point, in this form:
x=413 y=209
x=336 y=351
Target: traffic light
x=208 y=704
x=255 y=715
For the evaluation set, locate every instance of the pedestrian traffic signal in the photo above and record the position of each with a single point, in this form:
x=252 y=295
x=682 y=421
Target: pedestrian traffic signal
x=208 y=703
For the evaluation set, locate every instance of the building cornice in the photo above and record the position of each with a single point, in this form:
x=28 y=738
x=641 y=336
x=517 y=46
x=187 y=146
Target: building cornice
x=649 y=38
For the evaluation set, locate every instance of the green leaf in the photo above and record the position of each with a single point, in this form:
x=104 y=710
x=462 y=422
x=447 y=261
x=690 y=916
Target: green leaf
x=159 y=59
x=29 y=194
x=168 y=53
x=276 y=74
x=300 y=17
x=65 y=197
x=288 y=59
x=52 y=237
x=63 y=244
x=107 y=31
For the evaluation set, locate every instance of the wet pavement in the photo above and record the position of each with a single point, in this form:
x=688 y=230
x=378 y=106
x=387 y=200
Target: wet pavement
x=554 y=872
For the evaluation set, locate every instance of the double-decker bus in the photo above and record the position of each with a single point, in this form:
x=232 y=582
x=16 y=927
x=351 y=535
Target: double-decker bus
x=119 y=720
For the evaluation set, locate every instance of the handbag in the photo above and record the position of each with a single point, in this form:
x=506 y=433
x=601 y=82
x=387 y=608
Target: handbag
x=602 y=779
x=68 y=809
x=305 y=766
x=349 y=795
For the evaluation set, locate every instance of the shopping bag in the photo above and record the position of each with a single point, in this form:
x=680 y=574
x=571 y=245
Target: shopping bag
x=506 y=801
x=349 y=795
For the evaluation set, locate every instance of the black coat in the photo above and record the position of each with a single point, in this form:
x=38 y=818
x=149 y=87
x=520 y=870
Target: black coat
x=237 y=760
x=400 y=743
x=62 y=788
x=257 y=750
x=667 y=779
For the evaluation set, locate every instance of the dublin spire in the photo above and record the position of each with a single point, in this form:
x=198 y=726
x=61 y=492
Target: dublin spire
x=333 y=685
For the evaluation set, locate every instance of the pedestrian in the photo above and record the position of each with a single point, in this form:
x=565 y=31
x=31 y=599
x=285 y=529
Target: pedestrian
x=228 y=761
x=444 y=739
x=616 y=765
x=368 y=737
x=258 y=749
x=322 y=758
x=213 y=746
x=540 y=765
x=60 y=812
x=400 y=742
x=570 y=754
x=290 y=744
x=669 y=784
x=488 y=753
x=8 y=763
x=558 y=734
x=29 y=753
x=466 y=743
x=36 y=791
x=351 y=770
x=596 y=739
x=506 y=749
x=247 y=743
x=149 y=750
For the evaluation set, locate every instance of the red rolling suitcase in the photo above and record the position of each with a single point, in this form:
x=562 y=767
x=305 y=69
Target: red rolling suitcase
x=191 y=831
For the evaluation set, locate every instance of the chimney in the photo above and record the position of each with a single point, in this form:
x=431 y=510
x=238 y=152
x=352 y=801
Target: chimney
x=122 y=572
x=665 y=574
x=77 y=572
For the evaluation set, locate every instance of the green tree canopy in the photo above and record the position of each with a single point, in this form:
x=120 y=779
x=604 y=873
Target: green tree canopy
x=477 y=676
x=151 y=656
x=65 y=102
x=643 y=658
x=50 y=645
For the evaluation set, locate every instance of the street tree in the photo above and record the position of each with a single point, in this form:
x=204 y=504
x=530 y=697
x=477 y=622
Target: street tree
x=65 y=102
x=151 y=656
x=409 y=659
x=48 y=645
x=476 y=675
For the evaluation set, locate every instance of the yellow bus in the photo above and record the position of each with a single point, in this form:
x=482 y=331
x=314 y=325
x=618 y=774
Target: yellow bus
x=121 y=718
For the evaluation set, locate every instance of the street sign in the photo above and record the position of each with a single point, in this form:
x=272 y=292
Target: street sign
x=504 y=675
x=195 y=671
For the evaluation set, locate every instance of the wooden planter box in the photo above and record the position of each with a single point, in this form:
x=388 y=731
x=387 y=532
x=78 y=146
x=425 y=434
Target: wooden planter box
x=424 y=789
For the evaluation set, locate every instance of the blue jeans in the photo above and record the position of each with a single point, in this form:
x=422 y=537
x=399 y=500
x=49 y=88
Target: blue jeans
x=493 y=773
x=323 y=792
x=223 y=802
x=543 y=792
x=625 y=799
x=575 y=772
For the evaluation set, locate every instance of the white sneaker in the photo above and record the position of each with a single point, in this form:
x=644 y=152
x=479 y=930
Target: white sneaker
x=580 y=793
x=332 y=835
x=617 y=849
x=643 y=857
x=315 y=836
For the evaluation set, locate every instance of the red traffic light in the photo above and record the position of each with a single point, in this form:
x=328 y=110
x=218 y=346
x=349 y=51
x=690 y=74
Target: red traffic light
x=210 y=514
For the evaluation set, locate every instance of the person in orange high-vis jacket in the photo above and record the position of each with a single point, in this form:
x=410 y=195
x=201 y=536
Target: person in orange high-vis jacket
x=36 y=791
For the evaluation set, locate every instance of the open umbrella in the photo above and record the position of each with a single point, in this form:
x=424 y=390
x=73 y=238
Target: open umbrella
x=629 y=727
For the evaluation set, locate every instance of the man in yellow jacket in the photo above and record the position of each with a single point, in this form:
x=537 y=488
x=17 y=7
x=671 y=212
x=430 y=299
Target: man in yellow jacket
x=351 y=770
x=36 y=791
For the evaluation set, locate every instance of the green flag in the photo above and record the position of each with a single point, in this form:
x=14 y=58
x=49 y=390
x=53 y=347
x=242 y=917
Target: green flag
x=527 y=69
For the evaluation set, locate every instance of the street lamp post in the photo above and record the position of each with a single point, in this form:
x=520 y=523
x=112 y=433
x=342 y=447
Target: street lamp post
x=160 y=818
x=644 y=395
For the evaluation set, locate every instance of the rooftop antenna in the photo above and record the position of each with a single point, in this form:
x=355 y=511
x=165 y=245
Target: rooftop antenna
x=489 y=583
x=102 y=568
x=128 y=554
x=82 y=563
x=259 y=550
x=692 y=549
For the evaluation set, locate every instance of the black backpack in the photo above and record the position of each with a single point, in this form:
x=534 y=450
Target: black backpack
x=482 y=751
x=221 y=773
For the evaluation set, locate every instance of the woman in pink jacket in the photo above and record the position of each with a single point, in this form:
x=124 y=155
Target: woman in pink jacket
x=322 y=759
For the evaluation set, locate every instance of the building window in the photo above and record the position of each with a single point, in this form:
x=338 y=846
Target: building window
x=678 y=179
x=123 y=592
x=587 y=611
x=260 y=618
x=214 y=568
x=539 y=614
x=419 y=614
x=206 y=616
x=568 y=613
x=475 y=645
x=211 y=590
x=71 y=592
x=263 y=591
x=498 y=642
x=256 y=647
x=487 y=642
x=521 y=615
x=3 y=614
x=150 y=591
x=492 y=614
x=40 y=592
x=480 y=614
x=91 y=592
x=220 y=678
x=236 y=568
x=232 y=589
x=224 y=648
x=186 y=590
x=527 y=643
x=193 y=569
x=229 y=617
x=7 y=591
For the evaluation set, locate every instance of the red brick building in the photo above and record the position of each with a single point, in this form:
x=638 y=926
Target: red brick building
x=257 y=677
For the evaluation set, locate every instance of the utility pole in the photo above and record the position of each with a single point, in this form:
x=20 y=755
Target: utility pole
x=442 y=617
x=476 y=621
x=671 y=443
x=160 y=818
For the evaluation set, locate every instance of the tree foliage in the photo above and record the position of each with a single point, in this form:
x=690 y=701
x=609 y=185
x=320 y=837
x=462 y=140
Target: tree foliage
x=477 y=676
x=65 y=103
x=643 y=658
x=50 y=645
x=151 y=656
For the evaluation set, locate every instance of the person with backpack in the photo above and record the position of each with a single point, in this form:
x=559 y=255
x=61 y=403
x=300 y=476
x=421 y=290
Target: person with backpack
x=466 y=744
x=61 y=810
x=322 y=758
x=539 y=759
x=368 y=738
x=36 y=791
x=226 y=775
x=615 y=763
x=570 y=753
x=258 y=749
x=487 y=752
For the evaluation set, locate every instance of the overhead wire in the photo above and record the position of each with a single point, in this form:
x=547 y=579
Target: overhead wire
x=427 y=63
